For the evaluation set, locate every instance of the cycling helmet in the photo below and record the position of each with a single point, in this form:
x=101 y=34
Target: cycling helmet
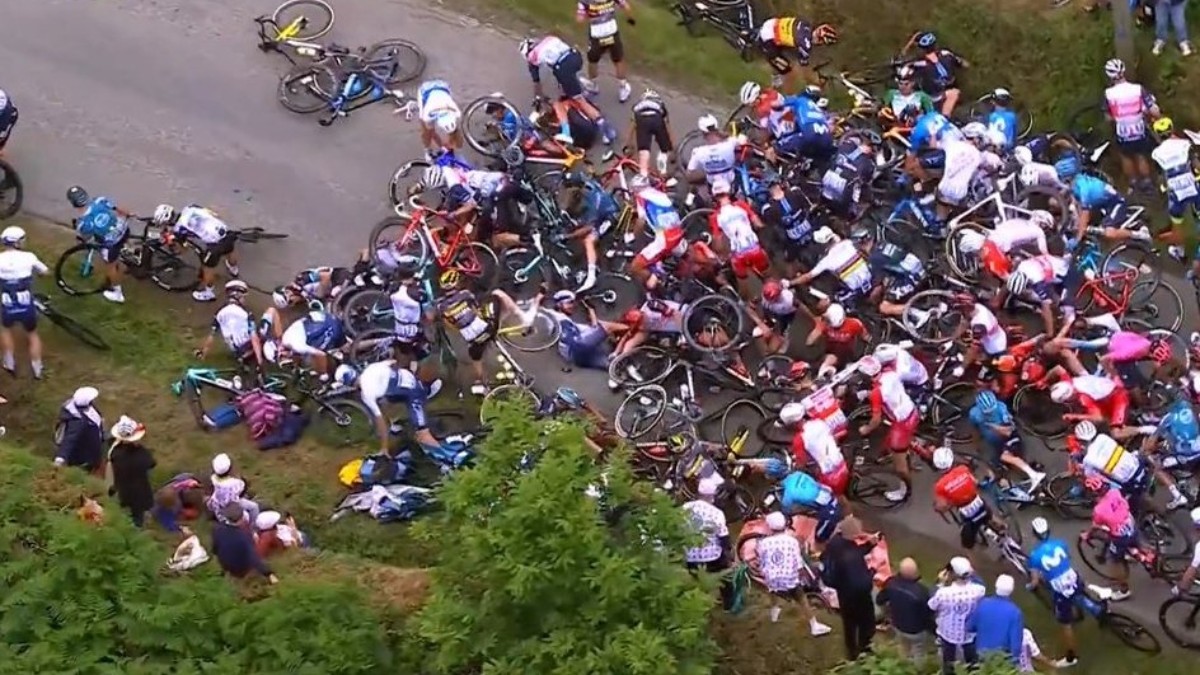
x=280 y=297
x=975 y=131
x=1006 y=363
x=986 y=400
x=771 y=290
x=798 y=370
x=164 y=214
x=943 y=458
x=1195 y=514
x=927 y=40
x=345 y=375
x=1017 y=283
x=633 y=318
x=236 y=287
x=447 y=123
x=1093 y=483
x=824 y=235
x=1029 y=175
x=574 y=179
x=77 y=196
x=1067 y=167
x=638 y=182
x=861 y=234
x=1040 y=527
x=792 y=413
x=570 y=397
x=1163 y=125
x=906 y=74
x=720 y=186
x=812 y=92
x=12 y=235
x=887 y=353
x=707 y=123
x=869 y=366
x=1085 y=431
x=749 y=93
x=776 y=469
x=776 y=521
x=526 y=46
x=1114 y=68
x=564 y=296
x=449 y=278
x=1001 y=96
x=513 y=157
x=1023 y=155
x=650 y=94
x=1160 y=351
x=433 y=178
x=971 y=241
x=1042 y=218
x=1061 y=392
x=835 y=315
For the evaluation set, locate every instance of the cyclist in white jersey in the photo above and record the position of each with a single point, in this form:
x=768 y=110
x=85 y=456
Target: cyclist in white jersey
x=843 y=260
x=440 y=117
x=17 y=269
x=1174 y=158
x=963 y=159
x=215 y=238
x=656 y=210
x=1128 y=105
x=1036 y=174
x=734 y=224
x=237 y=328
x=996 y=246
x=1043 y=278
x=1103 y=457
x=565 y=62
x=816 y=442
x=717 y=157
x=990 y=339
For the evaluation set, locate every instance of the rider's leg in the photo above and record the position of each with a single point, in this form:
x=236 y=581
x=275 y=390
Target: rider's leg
x=35 y=352
x=949 y=101
x=6 y=345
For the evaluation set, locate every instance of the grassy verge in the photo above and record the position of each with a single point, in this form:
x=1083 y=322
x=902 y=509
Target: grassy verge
x=1051 y=59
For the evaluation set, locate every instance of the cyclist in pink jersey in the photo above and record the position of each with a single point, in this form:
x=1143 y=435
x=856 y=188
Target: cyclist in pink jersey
x=1112 y=513
x=1129 y=105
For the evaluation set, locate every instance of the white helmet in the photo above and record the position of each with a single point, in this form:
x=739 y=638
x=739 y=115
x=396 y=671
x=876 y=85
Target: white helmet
x=526 y=46
x=650 y=94
x=1085 y=431
x=1023 y=155
x=345 y=374
x=1039 y=526
x=975 y=131
x=1029 y=175
x=971 y=241
x=1042 y=218
x=433 y=178
x=163 y=214
x=792 y=413
x=1017 y=283
x=447 y=123
x=777 y=521
x=707 y=123
x=869 y=366
x=12 y=235
x=835 y=315
x=1195 y=514
x=1061 y=391
x=1114 y=68
x=749 y=93
x=824 y=235
x=236 y=286
x=887 y=353
x=943 y=458
x=280 y=297
x=720 y=186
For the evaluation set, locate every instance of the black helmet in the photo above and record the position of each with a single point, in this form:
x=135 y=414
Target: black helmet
x=574 y=179
x=862 y=234
x=77 y=196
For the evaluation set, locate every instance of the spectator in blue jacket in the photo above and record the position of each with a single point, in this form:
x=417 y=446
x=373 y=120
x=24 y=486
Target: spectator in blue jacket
x=998 y=623
x=233 y=544
x=80 y=432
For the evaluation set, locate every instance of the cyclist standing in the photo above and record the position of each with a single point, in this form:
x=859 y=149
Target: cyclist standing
x=1050 y=563
x=938 y=70
x=565 y=62
x=603 y=36
x=651 y=124
x=1002 y=121
x=8 y=119
x=1174 y=158
x=17 y=268
x=1128 y=105
x=103 y=222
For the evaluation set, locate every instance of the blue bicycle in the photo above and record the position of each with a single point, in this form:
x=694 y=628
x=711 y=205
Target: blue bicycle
x=404 y=175
x=364 y=78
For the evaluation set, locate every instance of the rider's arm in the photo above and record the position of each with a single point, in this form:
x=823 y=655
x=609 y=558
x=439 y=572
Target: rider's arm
x=369 y=391
x=1091 y=411
x=815 y=334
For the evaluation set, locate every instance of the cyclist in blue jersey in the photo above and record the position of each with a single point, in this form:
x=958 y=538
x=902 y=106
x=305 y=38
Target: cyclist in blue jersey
x=812 y=136
x=1002 y=121
x=1050 y=563
x=594 y=210
x=391 y=382
x=994 y=421
x=805 y=495
x=312 y=337
x=584 y=345
x=1099 y=205
x=928 y=133
x=1178 y=437
x=102 y=222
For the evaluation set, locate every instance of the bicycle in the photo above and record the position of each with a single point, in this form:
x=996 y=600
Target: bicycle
x=1093 y=544
x=1094 y=601
x=365 y=78
x=172 y=266
x=313 y=20
x=77 y=330
x=1182 y=631
x=12 y=191
x=1008 y=545
x=738 y=31
x=420 y=242
x=399 y=195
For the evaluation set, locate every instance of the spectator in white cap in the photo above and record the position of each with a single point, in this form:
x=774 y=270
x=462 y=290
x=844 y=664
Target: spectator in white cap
x=228 y=488
x=275 y=532
x=998 y=623
x=712 y=554
x=79 y=433
x=953 y=603
x=131 y=463
x=780 y=562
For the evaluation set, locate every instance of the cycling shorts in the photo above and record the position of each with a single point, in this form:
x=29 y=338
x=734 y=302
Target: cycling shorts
x=1178 y=208
x=212 y=254
x=1115 y=406
x=955 y=183
x=998 y=446
x=837 y=480
x=827 y=521
x=566 y=72
x=666 y=242
x=806 y=144
x=651 y=129
x=414 y=399
x=755 y=260
x=25 y=317
x=901 y=433
x=110 y=252
x=598 y=46
x=586 y=348
x=1180 y=460
x=968 y=531
x=1064 y=606
x=1119 y=547
x=1136 y=147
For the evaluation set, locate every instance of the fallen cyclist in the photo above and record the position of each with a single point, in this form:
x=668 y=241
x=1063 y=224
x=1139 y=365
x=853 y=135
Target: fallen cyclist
x=584 y=345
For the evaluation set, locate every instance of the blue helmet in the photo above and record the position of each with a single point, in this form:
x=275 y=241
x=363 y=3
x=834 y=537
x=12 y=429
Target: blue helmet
x=776 y=469
x=569 y=397
x=986 y=400
x=927 y=40
x=1067 y=167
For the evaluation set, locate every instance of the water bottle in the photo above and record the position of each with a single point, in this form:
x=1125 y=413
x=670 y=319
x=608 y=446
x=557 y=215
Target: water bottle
x=237 y=382
x=685 y=394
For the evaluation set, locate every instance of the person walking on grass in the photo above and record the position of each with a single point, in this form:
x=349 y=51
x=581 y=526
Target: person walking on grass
x=1168 y=15
x=954 y=602
x=907 y=601
x=131 y=463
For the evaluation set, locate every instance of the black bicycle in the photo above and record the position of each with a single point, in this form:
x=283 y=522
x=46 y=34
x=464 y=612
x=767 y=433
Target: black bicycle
x=77 y=330
x=354 y=81
x=733 y=19
x=1177 y=616
x=172 y=266
x=12 y=191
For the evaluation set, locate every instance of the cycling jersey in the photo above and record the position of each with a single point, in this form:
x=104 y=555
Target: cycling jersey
x=904 y=269
x=460 y=310
x=930 y=131
x=434 y=101
x=802 y=491
x=958 y=488
x=1045 y=273
x=780 y=122
x=994 y=340
x=407 y=311
x=1128 y=105
x=546 y=52
x=733 y=220
x=815 y=440
x=1016 y=232
x=384 y=380
x=845 y=334
x=662 y=316
x=315 y=333
x=473 y=186
x=598 y=206
x=910 y=369
x=962 y=163
x=716 y=160
x=789 y=32
x=1093 y=193
x=1106 y=457
x=580 y=344
x=1052 y=560
x=1112 y=513
x=915 y=104
x=937 y=76
x=657 y=210
x=810 y=119
x=201 y=223
x=983 y=420
x=853 y=167
x=823 y=405
x=235 y=325
x=781 y=310
x=16 y=288
x=1179 y=429
x=790 y=214
x=1173 y=156
x=889 y=396
x=1003 y=123
x=601 y=16
x=650 y=107
x=100 y=222
x=845 y=262
x=1128 y=347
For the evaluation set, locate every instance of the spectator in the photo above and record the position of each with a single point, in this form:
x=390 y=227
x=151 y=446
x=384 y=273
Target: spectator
x=233 y=545
x=708 y=520
x=1129 y=105
x=1030 y=652
x=228 y=488
x=131 y=464
x=998 y=623
x=80 y=432
x=954 y=603
x=846 y=571
x=780 y=560
x=273 y=533
x=182 y=498
x=907 y=601
x=1170 y=14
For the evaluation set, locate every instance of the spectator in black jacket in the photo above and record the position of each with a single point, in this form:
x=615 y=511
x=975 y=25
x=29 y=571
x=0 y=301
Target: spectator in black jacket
x=845 y=570
x=233 y=545
x=907 y=601
x=80 y=432
x=131 y=463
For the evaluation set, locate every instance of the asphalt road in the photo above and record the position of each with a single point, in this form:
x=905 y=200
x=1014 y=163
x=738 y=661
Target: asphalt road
x=151 y=101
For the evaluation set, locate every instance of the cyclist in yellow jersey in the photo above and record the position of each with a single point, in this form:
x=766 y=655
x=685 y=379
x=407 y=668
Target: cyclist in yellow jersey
x=782 y=36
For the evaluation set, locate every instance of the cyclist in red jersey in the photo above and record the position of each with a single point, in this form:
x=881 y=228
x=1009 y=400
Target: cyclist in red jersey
x=842 y=336
x=889 y=396
x=957 y=489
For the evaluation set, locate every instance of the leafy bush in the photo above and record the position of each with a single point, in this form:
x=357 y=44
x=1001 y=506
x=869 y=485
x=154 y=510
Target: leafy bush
x=537 y=577
x=888 y=662
x=84 y=598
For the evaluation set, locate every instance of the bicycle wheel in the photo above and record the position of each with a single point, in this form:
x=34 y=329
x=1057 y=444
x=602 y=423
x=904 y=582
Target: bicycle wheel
x=77 y=330
x=1182 y=629
x=79 y=270
x=540 y=334
x=1132 y=633
x=395 y=61
x=393 y=241
x=1161 y=308
x=490 y=135
x=1037 y=415
x=477 y=264
x=191 y=393
x=1091 y=546
x=175 y=271
x=966 y=266
x=253 y=235
x=308 y=88
x=774 y=398
x=368 y=311
x=641 y=366
x=741 y=416
x=504 y=396
x=1070 y=497
x=523 y=272
x=1134 y=256
x=931 y=318
x=873 y=486
x=342 y=423
x=1163 y=535
x=370 y=346
x=714 y=323
x=640 y=412
x=950 y=407
x=612 y=295
x=406 y=176
x=12 y=191
x=738 y=503
x=311 y=18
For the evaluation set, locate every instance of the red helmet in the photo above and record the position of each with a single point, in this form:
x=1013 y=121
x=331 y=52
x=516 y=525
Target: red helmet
x=798 y=369
x=633 y=318
x=771 y=290
x=1160 y=351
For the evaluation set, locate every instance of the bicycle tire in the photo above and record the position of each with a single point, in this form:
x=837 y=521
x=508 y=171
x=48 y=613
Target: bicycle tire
x=1089 y=555
x=77 y=330
x=366 y=311
x=489 y=149
x=412 y=244
x=319 y=82
x=542 y=318
x=731 y=428
x=1024 y=398
x=964 y=265
x=362 y=353
x=478 y=265
x=946 y=412
x=732 y=329
x=191 y=394
x=1070 y=498
x=1152 y=270
x=321 y=27
x=1132 y=633
x=253 y=235
x=1176 y=636
x=504 y=395
x=1150 y=311
x=88 y=269
x=618 y=370
x=613 y=293
x=334 y=423
x=183 y=276
x=911 y=322
x=391 y=49
x=658 y=399
x=870 y=489
x=397 y=195
x=12 y=191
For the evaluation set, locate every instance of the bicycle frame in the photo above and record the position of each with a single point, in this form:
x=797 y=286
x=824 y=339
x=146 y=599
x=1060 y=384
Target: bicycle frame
x=1105 y=301
x=1004 y=210
x=350 y=96
x=441 y=253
